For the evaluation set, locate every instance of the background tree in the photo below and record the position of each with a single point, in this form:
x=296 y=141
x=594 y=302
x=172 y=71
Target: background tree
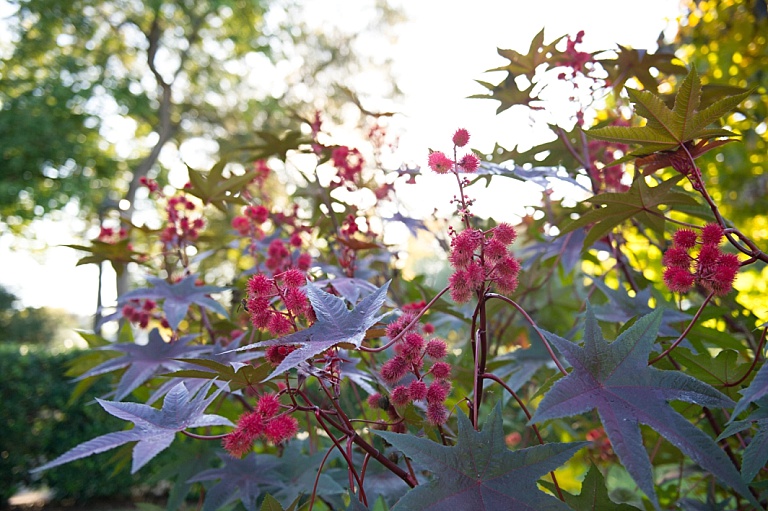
x=92 y=92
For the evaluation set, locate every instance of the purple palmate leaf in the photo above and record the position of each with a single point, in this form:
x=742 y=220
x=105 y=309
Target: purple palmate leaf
x=336 y=324
x=178 y=297
x=143 y=361
x=154 y=429
x=479 y=472
x=239 y=479
x=615 y=378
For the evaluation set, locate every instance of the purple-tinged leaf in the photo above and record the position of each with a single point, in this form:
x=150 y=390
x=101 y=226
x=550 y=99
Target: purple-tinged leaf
x=336 y=324
x=145 y=360
x=566 y=250
x=615 y=378
x=239 y=479
x=755 y=455
x=756 y=390
x=479 y=472
x=225 y=368
x=350 y=288
x=178 y=297
x=621 y=308
x=298 y=470
x=154 y=429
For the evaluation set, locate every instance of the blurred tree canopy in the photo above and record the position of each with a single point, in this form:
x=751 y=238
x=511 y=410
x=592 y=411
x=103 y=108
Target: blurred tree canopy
x=91 y=91
x=727 y=42
x=30 y=325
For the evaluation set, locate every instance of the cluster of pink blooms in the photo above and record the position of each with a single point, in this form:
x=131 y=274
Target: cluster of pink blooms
x=280 y=254
x=250 y=222
x=607 y=178
x=442 y=164
x=711 y=268
x=573 y=58
x=480 y=257
x=184 y=222
x=264 y=422
x=141 y=312
x=111 y=235
x=348 y=163
x=265 y=294
x=151 y=184
x=410 y=354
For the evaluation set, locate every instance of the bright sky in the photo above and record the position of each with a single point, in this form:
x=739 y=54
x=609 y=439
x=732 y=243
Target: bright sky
x=442 y=49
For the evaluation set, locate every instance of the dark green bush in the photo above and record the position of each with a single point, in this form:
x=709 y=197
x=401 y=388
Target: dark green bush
x=39 y=424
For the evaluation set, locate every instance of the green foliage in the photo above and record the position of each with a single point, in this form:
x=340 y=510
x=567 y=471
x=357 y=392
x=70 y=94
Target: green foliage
x=38 y=419
x=640 y=203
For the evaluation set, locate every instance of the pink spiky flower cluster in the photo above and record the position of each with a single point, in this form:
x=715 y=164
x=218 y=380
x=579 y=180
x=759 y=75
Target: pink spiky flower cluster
x=142 y=312
x=265 y=295
x=184 y=222
x=349 y=164
x=263 y=422
x=481 y=257
x=442 y=164
x=411 y=353
x=711 y=268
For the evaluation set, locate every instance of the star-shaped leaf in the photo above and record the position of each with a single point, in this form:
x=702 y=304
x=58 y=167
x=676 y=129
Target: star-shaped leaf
x=538 y=53
x=756 y=390
x=238 y=479
x=336 y=324
x=479 y=472
x=215 y=188
x=615 y=378
x=178 y=297
x=667 y=129
x=640 y=202
x=593 y=496
x=275 y=145
x=755 y=455
x=119 y=254
x=297 y=472
x=145 y=360
x=154 y=429
x=621 y=308
x=630 y=62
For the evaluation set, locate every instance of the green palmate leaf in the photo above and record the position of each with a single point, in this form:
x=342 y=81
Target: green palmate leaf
x=479 y=472
x=630 y=62
x=615 y=379
x=119 y=254
x=526 y=64
x=215 y=188
x=508 y=93
x=719 y=371
x=667 y=129
x=275 y=145
x=593 y=496
x=640 y=202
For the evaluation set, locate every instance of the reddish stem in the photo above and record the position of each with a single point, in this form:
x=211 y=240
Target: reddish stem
x=533 y=324
x=685 y=332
